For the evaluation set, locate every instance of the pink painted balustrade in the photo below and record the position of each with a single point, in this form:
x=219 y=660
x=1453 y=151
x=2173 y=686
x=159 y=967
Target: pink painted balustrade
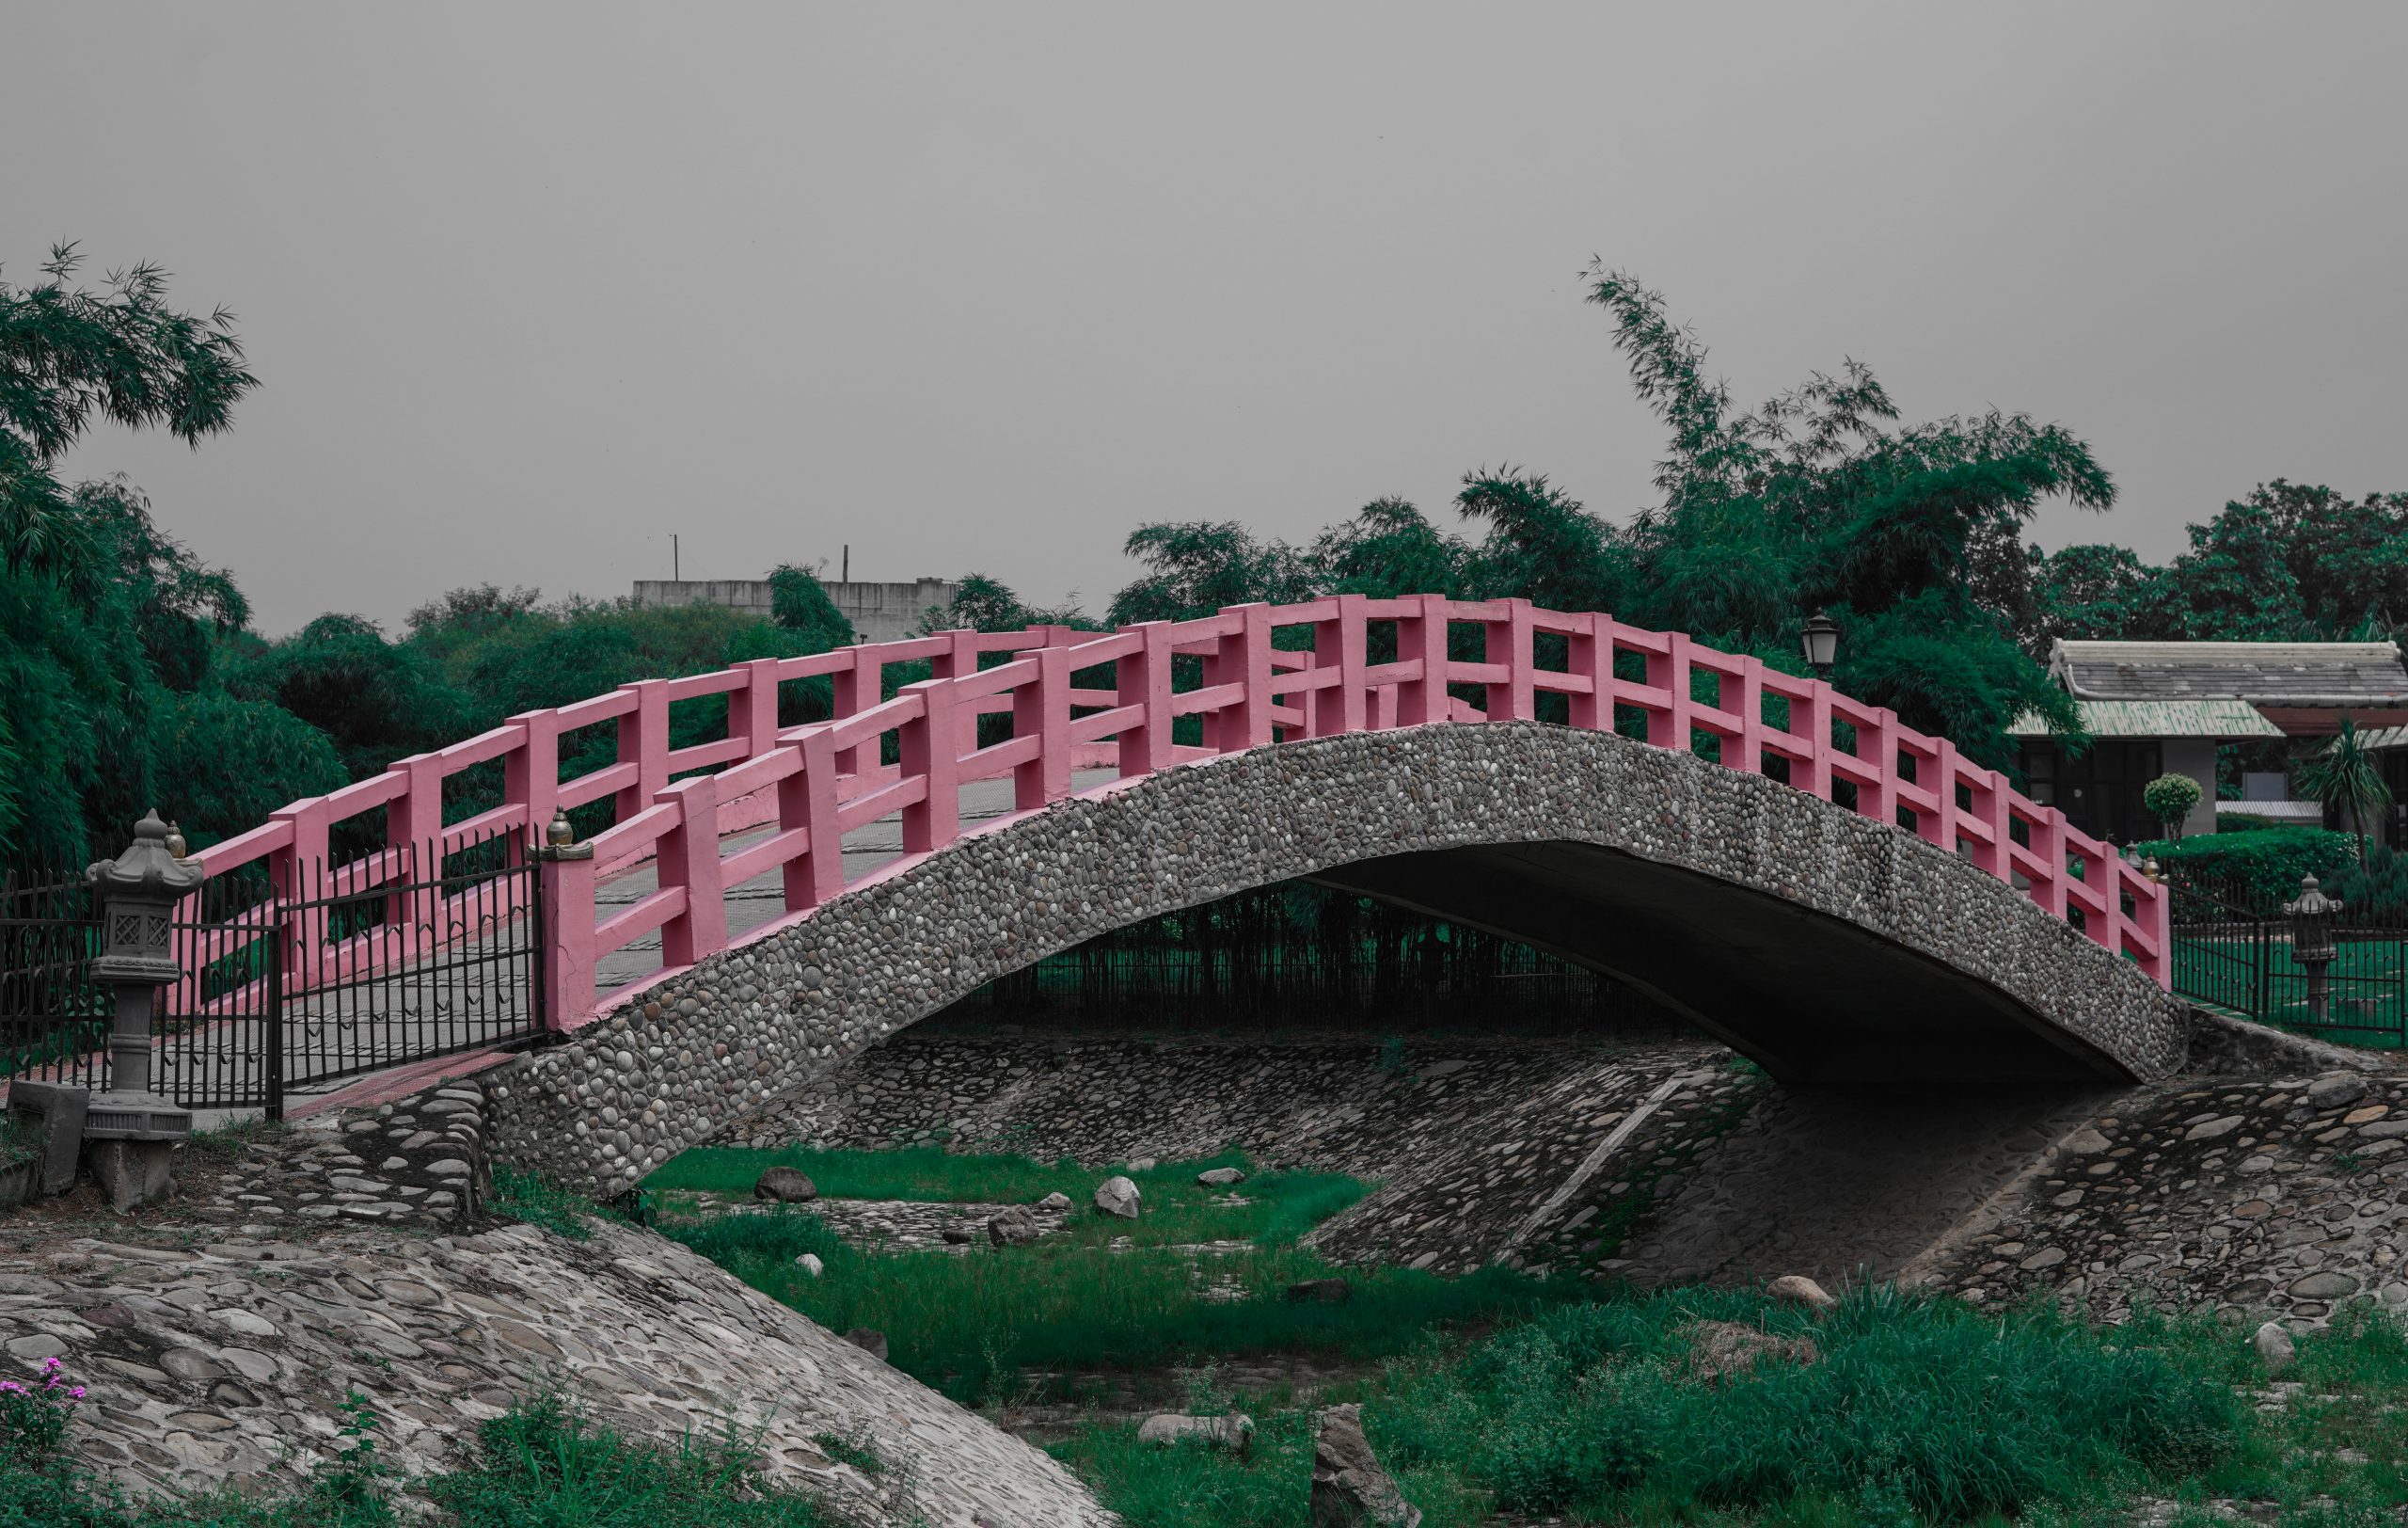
x=817 y=782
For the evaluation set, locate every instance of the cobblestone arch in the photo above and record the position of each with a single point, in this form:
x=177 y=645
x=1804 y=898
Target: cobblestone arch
x=1824 y=945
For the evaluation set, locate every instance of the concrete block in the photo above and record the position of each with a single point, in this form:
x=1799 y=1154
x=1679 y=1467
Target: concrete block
x=133 y=1172
x=58 y=1107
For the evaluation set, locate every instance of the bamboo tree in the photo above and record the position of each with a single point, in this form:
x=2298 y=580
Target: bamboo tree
x=2344 y=775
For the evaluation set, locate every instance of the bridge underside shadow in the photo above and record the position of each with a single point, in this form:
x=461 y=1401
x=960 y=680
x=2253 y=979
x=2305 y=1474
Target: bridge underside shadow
x=1807 y=995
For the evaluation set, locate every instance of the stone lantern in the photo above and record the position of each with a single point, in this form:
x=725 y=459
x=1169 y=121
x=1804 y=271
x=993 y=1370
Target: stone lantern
x=129 y=1131
x=2312 y=918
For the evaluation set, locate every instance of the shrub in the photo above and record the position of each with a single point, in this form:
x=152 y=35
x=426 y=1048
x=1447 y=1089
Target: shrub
x=2266 y=864
x=2169 y=799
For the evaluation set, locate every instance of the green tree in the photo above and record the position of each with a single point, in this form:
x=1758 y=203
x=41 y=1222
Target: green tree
x=101 y=615
x=2345 y=776
x=1195 y=568
x=799 y=603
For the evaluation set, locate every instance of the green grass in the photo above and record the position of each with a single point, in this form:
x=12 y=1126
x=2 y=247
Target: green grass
x=2213 y=967
x=540 y=1466
x=525 y=1197
x=971 y=1325
x=1280 y=1206
x=1920 y=1410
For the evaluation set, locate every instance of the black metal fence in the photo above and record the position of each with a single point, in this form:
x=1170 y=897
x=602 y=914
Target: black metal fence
x=291 y=987
x=2233 y=948
x=1302 y=954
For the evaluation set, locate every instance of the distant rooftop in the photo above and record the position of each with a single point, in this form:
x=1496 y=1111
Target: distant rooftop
x=2281 y=674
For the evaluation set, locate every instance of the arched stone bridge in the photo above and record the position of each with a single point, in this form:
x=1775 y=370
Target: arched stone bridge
x=1886 y=911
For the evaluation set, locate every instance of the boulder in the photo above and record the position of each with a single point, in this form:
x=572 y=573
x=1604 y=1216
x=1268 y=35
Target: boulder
x=1233 y=1432
x=1721 y=1349
x=957 y=1235
x=869 y=1340
x=1056 y=1200
x=1014 y=1225
x=1118 y=1196
x=809 y=1264
x=1349 y=1488
x=2334 y=1089
x=1797 y=1289
x=1220 y=1177
x=2275 y=1347
x=1322 y=1291
x=1141 y=1163
x=784 y=1186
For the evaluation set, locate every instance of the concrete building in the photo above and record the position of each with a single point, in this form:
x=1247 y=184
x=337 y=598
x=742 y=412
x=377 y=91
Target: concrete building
x=880 y=612
x=2164 y=708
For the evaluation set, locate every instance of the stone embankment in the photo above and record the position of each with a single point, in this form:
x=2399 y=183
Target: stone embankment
x=1534 y=1153
x=2268 y=1178
x=227 y=1356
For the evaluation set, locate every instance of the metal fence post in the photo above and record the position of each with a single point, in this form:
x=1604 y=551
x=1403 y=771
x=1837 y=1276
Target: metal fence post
x=275 y=1016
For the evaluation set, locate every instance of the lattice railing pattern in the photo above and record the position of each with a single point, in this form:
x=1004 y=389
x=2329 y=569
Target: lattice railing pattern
x=819 y=781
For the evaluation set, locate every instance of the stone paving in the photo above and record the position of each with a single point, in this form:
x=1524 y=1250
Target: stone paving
x=900 y=1225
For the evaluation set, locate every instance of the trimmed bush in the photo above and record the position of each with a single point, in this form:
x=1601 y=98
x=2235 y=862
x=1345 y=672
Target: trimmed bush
x=2267 y=863
x=2169 y=799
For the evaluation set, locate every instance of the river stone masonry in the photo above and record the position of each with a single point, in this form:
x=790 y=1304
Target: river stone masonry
x=2280 y=1195
x=689 y=1060
x=226 y=1363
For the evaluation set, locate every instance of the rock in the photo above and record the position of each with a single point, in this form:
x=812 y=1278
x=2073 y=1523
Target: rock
x=809 y=1264
x=959 y=1236
x=1349 y=1488
x=1014 y=1225
x=1797 y=1289
x=2334 y=1089
x=869 y=1340
x=2327 y=1285
x=1220 y=1177
x=1720 y=1349
x=2275 y=1347
x=1233 y=1432
x=784 y=1186
x=1322 y=1291
x=1054 y=1200
x=1118 y=1196
x=1141 y=1163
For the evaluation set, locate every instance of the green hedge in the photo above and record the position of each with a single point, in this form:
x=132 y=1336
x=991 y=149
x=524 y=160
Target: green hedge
x=2268 y=861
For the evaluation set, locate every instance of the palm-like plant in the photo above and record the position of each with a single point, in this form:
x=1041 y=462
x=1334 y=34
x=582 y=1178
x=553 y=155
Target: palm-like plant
x=2344 y=775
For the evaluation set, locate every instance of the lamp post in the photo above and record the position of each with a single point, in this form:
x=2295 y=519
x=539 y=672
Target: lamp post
x=1822 y=644
x=129 y=1131
x=2312 y=948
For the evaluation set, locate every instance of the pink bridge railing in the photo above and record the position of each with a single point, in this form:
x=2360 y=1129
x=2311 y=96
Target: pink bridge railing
x=819 y=781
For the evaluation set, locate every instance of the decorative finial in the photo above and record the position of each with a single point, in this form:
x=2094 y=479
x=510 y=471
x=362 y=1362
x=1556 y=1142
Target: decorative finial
x=560 y=835
x=177 y=848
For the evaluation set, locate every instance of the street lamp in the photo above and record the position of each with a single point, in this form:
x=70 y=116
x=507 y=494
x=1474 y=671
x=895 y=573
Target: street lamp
x=1822 y=644
x=2312 y=949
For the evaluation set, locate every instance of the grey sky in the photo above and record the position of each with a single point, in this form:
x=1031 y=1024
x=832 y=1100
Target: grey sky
x=982 y=288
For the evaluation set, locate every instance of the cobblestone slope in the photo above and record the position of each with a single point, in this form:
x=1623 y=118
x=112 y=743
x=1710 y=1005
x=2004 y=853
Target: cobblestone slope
x=229 y=1361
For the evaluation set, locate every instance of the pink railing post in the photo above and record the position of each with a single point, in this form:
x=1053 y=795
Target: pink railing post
x=1422 y=639
x=1042 y=711
x=1592 y=659
x=414 y=826
x=931 y=751
x=688 y=857
x=1812 y=716
x=2049 y=848
x=807 y=799
x=1940 y=828
x=1877 y=743
x=643 y=741
x=531 y=773
x=1243 y=659
x=1669 y=671
x=2157 y=917
x=959 y=662
x=1745 y=752
x=1512 y=643
x=752 y=711
x=1143 y=679
x=856 y=690
x=1991 y=798
x=1339 y=644
x=293 y=872
x=568 y=940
